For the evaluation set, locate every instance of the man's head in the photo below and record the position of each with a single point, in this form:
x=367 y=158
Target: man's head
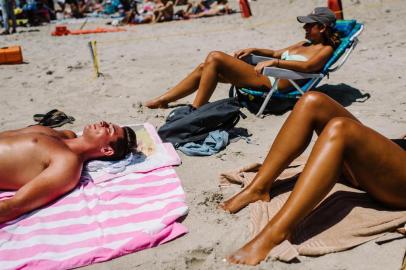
x=110 y=141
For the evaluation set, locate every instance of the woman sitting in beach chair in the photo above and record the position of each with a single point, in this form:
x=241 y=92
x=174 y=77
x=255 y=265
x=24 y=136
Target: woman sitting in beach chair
x=365 y=158
x=305 y=56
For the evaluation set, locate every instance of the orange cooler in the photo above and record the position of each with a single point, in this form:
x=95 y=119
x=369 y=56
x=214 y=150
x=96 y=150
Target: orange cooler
x=11 y=55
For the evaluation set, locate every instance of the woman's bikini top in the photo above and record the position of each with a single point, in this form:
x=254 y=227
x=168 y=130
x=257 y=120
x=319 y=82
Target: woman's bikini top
x=293 y=57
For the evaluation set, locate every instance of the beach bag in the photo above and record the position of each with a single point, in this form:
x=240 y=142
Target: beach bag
x=186 y=124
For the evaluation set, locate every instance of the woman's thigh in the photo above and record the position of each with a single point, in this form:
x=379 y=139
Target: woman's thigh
x=238 y=72
x=377 y=164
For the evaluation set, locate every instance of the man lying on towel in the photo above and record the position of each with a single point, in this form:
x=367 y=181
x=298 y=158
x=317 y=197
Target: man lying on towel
x=43 y=164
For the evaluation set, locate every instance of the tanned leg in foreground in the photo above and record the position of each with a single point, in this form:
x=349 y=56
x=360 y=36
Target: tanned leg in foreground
x=218 y=67
x=375 y=162
x=312 y=112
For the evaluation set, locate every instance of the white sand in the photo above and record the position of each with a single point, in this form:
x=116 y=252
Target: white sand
x=146 y=60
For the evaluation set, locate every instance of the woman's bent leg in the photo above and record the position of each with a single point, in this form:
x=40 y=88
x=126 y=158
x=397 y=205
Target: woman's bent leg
x=377 y=163
x=221 y=67
x=218 y=67
x=312 y=112
x=186 y=87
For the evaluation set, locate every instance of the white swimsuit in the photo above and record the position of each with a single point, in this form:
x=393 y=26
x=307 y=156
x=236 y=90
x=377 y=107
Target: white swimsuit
x=289 y=57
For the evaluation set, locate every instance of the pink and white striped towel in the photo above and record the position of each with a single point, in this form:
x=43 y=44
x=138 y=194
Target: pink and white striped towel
x=96 y=222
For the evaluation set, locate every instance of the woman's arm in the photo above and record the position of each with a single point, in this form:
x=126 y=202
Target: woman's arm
x=262 y=52
x=277 y=53
x=265 y=52
x=314 y=64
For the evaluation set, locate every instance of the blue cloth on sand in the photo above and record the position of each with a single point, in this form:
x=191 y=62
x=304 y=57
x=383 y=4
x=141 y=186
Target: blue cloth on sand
x=214 y=143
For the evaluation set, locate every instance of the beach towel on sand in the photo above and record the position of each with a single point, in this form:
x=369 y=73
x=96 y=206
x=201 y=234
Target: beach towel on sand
x=346 y=218
x=96 y=222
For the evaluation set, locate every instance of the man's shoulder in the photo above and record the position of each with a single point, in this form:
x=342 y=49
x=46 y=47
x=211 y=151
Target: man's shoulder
x=65 y=165
x=61 y=151
x=57 y=150
x=40 y=129
x=66 y=160
x=37 y=129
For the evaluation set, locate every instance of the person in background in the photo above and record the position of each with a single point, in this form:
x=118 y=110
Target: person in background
x=7 y=8
x=305 y=56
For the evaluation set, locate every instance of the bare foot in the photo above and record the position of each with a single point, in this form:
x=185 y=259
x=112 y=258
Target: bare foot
x=257 y=249
x=156 y=103
x=248 y=254
x=244 y=198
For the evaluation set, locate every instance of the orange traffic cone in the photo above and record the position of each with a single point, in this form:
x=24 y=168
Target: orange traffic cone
x=245 y=9
x=337 y=7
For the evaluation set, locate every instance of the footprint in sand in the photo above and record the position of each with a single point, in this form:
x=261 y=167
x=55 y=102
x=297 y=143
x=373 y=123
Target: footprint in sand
x=211 y=199
x=79 y=65
x=138 y=106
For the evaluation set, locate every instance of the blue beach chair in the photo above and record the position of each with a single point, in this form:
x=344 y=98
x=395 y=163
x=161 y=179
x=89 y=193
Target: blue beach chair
x=349 y=31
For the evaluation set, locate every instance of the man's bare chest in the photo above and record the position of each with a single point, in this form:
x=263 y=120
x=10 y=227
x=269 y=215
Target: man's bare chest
x=23 y=157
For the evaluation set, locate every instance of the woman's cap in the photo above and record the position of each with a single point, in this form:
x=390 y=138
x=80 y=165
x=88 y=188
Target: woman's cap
x=321 y=15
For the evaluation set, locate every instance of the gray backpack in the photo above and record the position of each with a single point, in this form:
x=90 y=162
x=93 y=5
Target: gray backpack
x=187 y=124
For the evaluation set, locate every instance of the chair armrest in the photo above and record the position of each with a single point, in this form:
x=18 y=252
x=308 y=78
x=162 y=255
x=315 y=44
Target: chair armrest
x=253 y=59
x=289 y=74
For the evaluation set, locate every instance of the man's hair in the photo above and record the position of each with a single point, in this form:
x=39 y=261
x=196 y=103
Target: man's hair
x=124 y=145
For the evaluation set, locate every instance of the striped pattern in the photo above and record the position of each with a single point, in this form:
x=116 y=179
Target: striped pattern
x=95 y=223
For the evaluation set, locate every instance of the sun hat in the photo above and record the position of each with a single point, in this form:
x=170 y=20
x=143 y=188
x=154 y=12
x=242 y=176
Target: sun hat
x=321 y=15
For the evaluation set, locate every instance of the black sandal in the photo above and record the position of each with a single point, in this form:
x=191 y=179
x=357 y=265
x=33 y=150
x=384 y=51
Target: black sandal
x=39 y=116
x=53 y=118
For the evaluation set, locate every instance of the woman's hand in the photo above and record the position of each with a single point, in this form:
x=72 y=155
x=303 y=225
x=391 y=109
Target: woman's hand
x=261 y=65
x=244 y=52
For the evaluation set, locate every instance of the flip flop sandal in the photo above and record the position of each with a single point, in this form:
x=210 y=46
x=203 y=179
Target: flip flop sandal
x=38 y=117
x=56 y=119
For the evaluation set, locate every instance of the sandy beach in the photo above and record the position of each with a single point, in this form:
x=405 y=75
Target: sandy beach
x=146 y=60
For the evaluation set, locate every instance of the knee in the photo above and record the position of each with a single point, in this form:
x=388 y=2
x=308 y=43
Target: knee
x=313 y=102
x=199 y=69
x=214 y=57
x=341 y=129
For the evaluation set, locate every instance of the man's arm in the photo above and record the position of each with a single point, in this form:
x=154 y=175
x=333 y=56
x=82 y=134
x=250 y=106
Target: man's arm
x=61 y=176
